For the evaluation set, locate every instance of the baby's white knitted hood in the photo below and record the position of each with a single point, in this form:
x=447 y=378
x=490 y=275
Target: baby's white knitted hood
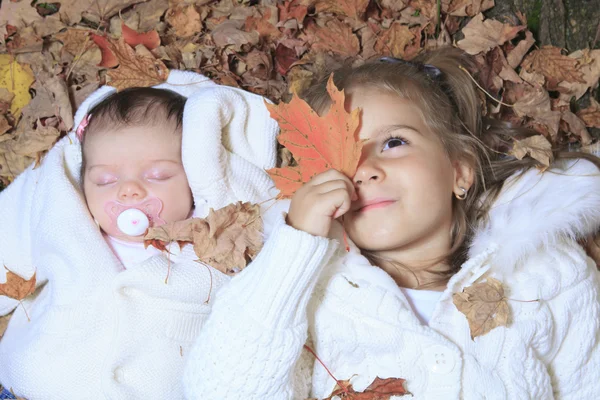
x=228 y=140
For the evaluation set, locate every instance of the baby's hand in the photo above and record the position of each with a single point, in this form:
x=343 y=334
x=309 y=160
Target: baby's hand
x=326 y=197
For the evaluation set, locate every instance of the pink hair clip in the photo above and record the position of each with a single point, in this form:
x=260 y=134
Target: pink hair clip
x=81 y=128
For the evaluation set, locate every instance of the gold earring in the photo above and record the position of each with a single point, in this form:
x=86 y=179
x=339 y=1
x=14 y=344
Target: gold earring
x=463 y=195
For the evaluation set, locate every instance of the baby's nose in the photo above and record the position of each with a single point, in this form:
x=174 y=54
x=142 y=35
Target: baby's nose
x=132 y=191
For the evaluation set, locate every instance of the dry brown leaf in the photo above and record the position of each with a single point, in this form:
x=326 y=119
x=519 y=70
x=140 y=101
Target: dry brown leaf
x=32 y=142
x=72 y=11
x=591 y=115
x=462 y=8
x=481 y=36
x=535 y=103
x=394 y=41
x=4 y=324
x=229 y=33
x=135 y=71
x=379 y=389
x=229 y=237
x=484 y=305
x=335 y=36
x=18 y=14
x=349 y=8
x=75 y=41
x=16 y=287
x=516 y=55
x=577 y=126
x=556 y=67
x=178 y=231
x=589 y=67
x=537 y=147
x=4 y=125
x=185 y=20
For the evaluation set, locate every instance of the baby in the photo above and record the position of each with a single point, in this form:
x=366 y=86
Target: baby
x=132 y=172
x=102 y=323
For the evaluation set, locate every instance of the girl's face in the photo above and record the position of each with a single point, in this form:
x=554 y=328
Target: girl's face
x=405 y=181
x=131 y=165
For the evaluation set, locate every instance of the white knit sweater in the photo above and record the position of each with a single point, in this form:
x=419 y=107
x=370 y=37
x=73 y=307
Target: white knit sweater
x=96 y=331
x=360 y=324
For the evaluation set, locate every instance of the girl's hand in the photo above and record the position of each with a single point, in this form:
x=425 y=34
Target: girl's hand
x=326 y=197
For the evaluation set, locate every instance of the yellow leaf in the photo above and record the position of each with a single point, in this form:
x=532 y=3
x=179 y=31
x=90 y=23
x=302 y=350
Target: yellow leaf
x=17 y=79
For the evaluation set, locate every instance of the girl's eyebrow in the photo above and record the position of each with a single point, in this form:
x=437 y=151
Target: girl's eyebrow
x=389 y=128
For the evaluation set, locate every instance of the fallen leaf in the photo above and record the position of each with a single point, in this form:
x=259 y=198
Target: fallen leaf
x=3 y=325
x=462 y=8
x=591 y=115
x=577 y=126
x=134 y=71
x=484 y=305
x=349 y=8
x=32 y=142
x=229 y=33
x=75 y=40
x=184 y=20
x=178 y=231
x=535 y=103
x=109 y=60
x=4 y=125
x=16 y=287
x=379 y=389
x=515 y=56
x=394 y=41
x=229 y=237
x=556 y=67
x=335 y=36
x=481 y=36
x=317 y=143
x=292 y=9
x=149 y=39
x=17 y=79
x=72 y=11
x=537 y=147
x=589 y=67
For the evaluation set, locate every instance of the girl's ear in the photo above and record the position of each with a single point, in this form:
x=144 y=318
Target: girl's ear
x=464 y=174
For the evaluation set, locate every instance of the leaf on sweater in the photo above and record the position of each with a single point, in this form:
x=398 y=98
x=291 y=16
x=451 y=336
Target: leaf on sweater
x=178 y=231
x=484 y=305
x=134 y=71
x=4 y=324
x=537 y=147
x=16 y=287
x=317 y=143
x=229 y=237
x=379 y=389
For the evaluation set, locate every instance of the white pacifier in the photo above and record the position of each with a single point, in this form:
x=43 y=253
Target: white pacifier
x=133 y=222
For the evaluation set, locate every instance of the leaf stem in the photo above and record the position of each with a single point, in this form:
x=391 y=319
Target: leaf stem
x=311 y=351
x=24 y=309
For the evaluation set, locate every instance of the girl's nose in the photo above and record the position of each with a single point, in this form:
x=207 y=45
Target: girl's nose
x=367 y=173
x=131 y=191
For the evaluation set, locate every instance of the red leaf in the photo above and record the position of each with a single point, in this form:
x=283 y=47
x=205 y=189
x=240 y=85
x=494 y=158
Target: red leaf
x=284 y=58
x=317 y=143
x=149 y=39
x=109 y=60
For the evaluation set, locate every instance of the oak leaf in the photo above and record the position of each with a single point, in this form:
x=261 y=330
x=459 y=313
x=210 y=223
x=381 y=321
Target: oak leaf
x=134 y=71
x=379 y=389
x=484 y=305
x=556 y=67
x=317 y=143
x=537 y=147
x=591 y=115
x=16 y=287
x=178 y=231
x=228 y=238
x=481 y=36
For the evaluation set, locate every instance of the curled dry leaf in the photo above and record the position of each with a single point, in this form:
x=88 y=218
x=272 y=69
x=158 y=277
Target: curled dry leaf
x=484 y=305
x=537 y=147
x=16 y=287
x=379 y=389
x=109 y=60
x=591 y=115
x=317 y=143
x=481 y=36
x=229 y=237
x=577 y=126
x=134 y=71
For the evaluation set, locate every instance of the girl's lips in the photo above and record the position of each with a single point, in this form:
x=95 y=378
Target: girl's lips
x=379 y=204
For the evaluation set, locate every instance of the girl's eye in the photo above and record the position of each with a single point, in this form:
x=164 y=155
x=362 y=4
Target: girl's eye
x=105 y=181
x=394 y=142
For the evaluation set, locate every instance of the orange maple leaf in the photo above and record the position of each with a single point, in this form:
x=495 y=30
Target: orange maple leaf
x=132 y=37
x=317 y=143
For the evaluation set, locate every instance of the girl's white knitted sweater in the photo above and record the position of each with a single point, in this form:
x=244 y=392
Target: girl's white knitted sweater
x=97 y=331
x=305 y=289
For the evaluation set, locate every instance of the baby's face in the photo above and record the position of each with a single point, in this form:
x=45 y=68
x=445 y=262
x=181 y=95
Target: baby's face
x=131 y=165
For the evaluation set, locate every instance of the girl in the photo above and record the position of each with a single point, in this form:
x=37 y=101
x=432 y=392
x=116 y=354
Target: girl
x=435 y=207
x=103 y=324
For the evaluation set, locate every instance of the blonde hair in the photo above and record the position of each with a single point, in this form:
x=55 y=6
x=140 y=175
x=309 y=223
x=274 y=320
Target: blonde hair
x=438 y=84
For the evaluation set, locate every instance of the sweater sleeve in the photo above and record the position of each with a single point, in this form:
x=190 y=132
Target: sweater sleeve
x=251 y=345
x=16 y=202
x=574 y=362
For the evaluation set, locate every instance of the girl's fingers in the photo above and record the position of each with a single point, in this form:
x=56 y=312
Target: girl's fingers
x=338 y=202
x=328 y=175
